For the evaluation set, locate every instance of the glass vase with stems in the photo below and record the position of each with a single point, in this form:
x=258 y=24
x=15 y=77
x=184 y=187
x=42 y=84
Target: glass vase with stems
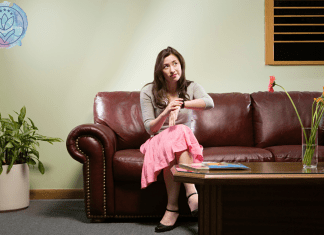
x=309 y=134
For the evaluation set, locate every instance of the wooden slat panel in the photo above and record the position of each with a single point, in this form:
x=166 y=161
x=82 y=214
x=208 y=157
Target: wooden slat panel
x=271 y=52
x=269 y=30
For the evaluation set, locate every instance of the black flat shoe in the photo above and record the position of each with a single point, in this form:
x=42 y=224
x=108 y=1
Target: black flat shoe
x=164 y=228
x=194 y=213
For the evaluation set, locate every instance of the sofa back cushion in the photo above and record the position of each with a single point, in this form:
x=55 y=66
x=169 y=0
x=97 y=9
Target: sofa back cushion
x=229 y=123
x=121 y=111
x=275 y=120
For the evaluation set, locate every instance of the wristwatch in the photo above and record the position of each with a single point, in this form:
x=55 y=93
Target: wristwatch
x=183 y=105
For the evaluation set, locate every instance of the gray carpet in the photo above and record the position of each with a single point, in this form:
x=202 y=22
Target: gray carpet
x=56 y=217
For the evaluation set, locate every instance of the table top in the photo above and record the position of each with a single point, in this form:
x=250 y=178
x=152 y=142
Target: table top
x=259 y=173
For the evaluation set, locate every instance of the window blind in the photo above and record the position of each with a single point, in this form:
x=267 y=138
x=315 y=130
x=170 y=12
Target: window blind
x=294 y=32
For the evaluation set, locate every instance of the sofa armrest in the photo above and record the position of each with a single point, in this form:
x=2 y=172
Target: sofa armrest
x=94 y=145
x=100 y=132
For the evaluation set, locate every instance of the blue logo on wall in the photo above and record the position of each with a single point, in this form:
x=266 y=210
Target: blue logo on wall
x=13 y=25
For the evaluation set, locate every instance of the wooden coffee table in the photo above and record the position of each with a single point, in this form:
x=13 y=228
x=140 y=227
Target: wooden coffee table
x=284 y=182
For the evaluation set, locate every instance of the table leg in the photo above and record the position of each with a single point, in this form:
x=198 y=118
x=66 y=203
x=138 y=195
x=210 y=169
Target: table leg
x=210 y=210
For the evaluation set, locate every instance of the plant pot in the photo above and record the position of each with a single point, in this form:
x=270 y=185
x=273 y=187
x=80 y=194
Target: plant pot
x=14 y=188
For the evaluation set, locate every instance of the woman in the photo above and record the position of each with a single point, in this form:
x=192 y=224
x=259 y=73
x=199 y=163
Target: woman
x=167 y=105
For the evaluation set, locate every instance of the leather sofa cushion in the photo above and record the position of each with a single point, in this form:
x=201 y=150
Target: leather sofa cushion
x=121 y=111
x=292 y=153
x=229 y=123
x=275 y=120
x=237 y=154
x=127 y=164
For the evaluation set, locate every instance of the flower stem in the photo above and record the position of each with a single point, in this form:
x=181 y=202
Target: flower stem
x=292 y=102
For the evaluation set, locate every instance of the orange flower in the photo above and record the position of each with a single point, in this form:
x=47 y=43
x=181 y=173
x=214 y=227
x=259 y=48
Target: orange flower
x=272 y=83
x=319 y=100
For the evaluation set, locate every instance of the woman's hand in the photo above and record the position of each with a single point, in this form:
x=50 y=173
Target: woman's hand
x=173 y=117
x=173 y=105
x=157 y=123
x=173 y=109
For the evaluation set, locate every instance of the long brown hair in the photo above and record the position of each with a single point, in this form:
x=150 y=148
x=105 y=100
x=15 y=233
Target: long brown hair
x=159 y=88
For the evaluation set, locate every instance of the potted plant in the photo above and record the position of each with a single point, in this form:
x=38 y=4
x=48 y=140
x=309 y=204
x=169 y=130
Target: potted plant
x=19 y=141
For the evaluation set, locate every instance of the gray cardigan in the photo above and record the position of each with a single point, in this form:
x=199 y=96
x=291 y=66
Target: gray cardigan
x=150 y=111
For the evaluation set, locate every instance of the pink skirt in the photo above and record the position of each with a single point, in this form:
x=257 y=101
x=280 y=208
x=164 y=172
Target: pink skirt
x=160 y=151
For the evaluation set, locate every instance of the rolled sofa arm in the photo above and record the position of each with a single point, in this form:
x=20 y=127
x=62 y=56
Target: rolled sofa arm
x=94 y=145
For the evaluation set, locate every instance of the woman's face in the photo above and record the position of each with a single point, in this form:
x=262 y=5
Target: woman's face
x=171 y=69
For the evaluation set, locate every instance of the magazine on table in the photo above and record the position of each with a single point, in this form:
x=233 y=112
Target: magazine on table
x=213 y=166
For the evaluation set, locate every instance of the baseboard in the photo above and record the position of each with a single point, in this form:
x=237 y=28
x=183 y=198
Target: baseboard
x=56 y=194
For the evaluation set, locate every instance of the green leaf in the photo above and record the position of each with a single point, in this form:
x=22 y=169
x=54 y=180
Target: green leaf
x=17 y=140
x=41 y=167
x=22 y=114
x=31 y=161
x=13 y=123
x=33 y=125
x=6 y=120
x=9 y=145
x=35 y=152
x=11 y=118
x=33 y=146
x=14 y=133
x=25 y=127
x=13 y=159
x=28 y=132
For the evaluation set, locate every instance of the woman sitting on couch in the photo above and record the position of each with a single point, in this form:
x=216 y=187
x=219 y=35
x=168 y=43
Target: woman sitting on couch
x=167 y=105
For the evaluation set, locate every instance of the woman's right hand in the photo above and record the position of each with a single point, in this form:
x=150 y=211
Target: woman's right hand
x=173 y=105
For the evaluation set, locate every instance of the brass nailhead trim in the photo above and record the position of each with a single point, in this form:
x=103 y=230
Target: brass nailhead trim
x=87 y=183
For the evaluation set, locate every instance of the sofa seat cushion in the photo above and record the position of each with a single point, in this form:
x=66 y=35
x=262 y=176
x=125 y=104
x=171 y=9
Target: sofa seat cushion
x=237 y=154
x=292 y=153
x=127 y=165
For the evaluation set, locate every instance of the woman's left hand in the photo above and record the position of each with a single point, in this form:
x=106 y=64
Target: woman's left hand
x=173 y=117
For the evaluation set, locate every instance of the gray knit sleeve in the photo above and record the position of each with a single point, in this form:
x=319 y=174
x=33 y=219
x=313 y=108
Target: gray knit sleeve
x=200 y=93
x=147 y=108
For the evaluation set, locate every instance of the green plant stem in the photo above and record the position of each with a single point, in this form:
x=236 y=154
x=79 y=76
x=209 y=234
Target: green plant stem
x=321 y=111
x=311 y=146
x=292 y=102
x=313 y=114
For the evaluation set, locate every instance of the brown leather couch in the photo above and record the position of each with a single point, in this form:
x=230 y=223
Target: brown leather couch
x=242 y=127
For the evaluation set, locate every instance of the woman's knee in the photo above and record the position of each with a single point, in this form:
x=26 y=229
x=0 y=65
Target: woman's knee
x=179 y=154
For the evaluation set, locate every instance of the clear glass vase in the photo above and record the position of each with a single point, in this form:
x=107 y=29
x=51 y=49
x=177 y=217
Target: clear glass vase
x=309 y=148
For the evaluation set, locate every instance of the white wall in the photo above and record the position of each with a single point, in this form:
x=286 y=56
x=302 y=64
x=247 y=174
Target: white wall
x=74 y=49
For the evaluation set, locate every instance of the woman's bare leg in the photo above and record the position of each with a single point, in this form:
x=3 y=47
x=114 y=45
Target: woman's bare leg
x=184 y=157
x=173 y=189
